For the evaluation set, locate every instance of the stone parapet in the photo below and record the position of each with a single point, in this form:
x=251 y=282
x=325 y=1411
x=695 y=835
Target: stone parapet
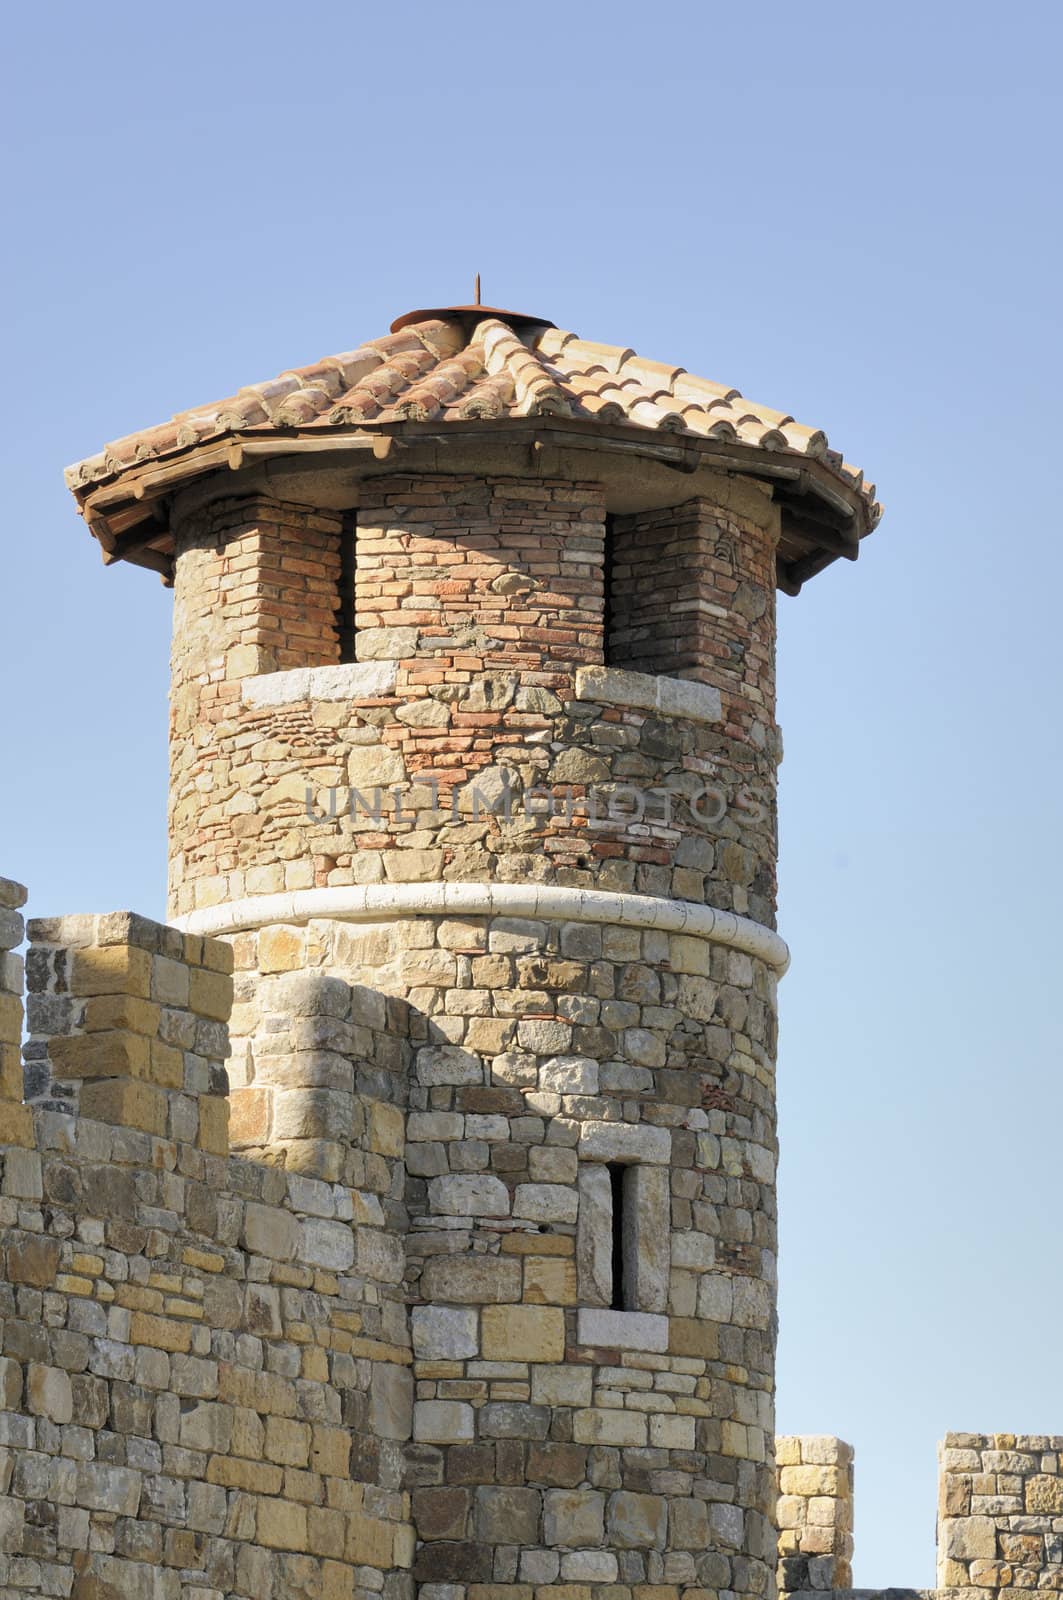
x=204 y=1360
x=16 y=1124
x=815 y=1513
x=127 y=1021
x=1000 y=1514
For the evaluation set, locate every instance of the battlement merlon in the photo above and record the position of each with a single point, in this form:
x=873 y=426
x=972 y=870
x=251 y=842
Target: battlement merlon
x=128 y=1026
x=15 y=1118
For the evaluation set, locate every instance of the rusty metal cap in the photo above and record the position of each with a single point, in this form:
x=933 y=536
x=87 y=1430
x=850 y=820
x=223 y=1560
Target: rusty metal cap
x=514 y=319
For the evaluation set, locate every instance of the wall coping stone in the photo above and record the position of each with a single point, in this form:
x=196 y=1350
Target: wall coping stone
x=354 y=680
x=378 y=902
x=646 y=691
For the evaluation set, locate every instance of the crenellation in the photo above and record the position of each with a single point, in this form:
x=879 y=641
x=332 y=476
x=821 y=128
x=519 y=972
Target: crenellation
x=127 y=1024
x=211 y=1352
x=16 y=1127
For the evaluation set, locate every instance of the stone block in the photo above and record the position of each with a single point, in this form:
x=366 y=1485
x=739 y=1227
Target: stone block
x=622 y=1330
x=608 y=1426
x=637 y=1521
x=442 y=1421
x=472 y=1279
x=326 y=1244
x=441 y=1513
x=545 y=1202
x=624 y=1141
x=512 y=1419
x=688 y=1524
x=550 y=1280
x=672 y=1432
x=507 y=1515
x=523 y=1333
x=594 y=1236
x=468 y=1195
x=1044 y=1495
x=968 y=1538
x=574 y=1517
x=569 y=1075
x=444 y=1333
x=49 y=1393
x=272 y=1232
x=561 y=1385
x=448 y=1064
x=590 y=1567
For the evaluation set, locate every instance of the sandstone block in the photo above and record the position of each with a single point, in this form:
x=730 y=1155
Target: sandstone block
x=471 y=1279
x=672 y=1433
x=550 y=1280
x=523 y=1333
x=968 y=1538
x=1045 y=1495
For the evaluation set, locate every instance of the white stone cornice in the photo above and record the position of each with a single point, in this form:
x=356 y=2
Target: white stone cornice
x=548 y=902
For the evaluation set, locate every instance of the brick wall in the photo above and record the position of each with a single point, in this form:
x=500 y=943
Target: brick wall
x=492 y=573
x=479 y=607
x=693 y=595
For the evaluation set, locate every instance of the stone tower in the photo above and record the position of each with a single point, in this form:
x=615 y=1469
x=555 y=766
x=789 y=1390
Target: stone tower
x=473 y=764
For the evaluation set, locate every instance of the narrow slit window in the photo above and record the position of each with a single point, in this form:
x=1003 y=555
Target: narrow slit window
x=607 y=589
x=620 y=1183
x=345 y=612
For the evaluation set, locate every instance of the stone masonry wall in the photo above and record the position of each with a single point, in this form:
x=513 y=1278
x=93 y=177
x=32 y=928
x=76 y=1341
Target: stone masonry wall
x=481 y=644
x=1000 y=1521
x=558 y=1439
x=204 y=1362
x=814 y=1513
x=16 y=1123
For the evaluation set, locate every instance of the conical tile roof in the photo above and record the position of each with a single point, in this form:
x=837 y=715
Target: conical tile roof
x=444 y=370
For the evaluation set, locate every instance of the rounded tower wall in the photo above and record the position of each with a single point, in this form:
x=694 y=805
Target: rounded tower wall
x=544 y=691
x=532 y=829
x=583 y=1100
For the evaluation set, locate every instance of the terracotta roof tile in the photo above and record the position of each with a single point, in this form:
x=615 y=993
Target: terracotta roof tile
x=455 y=368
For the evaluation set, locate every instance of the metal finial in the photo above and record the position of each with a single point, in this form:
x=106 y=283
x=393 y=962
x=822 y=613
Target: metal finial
x=477 y=288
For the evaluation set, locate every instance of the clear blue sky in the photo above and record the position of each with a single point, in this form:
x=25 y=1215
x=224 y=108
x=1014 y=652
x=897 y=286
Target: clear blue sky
x=847 y=212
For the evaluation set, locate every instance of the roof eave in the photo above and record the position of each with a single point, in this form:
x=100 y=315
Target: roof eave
x=127 y=511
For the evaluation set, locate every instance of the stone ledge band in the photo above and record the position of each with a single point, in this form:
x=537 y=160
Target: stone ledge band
x=375 y=902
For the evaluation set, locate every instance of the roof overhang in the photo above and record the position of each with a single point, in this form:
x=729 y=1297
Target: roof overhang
x=129 y=513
